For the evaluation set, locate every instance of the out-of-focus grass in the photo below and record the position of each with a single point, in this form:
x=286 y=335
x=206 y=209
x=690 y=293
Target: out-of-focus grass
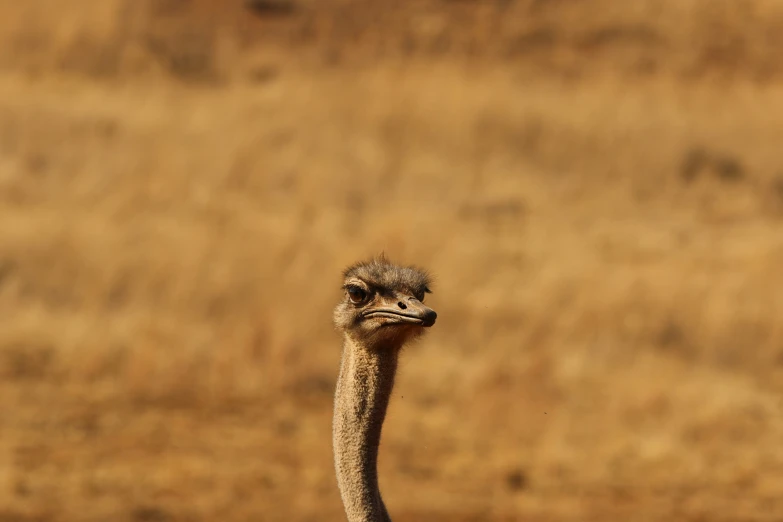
x=181 y=183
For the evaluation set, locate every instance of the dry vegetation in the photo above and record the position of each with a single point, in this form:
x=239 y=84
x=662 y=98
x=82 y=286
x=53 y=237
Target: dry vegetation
x=597 y=186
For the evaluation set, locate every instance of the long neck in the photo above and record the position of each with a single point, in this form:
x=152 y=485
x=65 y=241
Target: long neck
x=363 y=390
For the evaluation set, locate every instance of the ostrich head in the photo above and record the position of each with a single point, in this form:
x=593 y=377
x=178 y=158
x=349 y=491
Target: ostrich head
x=383 y=304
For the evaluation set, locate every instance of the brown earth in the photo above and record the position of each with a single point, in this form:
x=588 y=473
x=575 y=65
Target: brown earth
x=597 y=186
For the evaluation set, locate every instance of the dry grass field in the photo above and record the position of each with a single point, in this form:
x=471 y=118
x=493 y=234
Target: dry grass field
x=597 y=187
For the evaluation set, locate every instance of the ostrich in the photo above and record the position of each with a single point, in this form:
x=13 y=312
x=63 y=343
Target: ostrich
x=382 y=309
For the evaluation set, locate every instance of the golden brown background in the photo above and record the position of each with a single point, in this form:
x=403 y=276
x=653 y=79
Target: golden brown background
x=596 y=185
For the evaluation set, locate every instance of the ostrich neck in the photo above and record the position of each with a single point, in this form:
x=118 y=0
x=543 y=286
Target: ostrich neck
x=363 y=390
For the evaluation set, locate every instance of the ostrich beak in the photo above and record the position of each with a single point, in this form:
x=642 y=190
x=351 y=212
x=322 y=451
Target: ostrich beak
x=412 y=311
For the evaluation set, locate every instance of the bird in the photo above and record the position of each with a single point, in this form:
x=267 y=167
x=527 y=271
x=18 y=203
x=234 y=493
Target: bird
x=382 y=309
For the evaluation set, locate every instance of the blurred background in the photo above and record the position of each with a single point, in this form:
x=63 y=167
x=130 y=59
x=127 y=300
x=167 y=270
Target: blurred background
x=597 y=187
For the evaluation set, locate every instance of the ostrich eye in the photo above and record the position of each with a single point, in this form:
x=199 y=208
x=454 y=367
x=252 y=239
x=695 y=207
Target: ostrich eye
x=356 y=294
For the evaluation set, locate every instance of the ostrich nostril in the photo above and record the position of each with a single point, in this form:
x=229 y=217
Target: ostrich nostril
x=402 y=305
